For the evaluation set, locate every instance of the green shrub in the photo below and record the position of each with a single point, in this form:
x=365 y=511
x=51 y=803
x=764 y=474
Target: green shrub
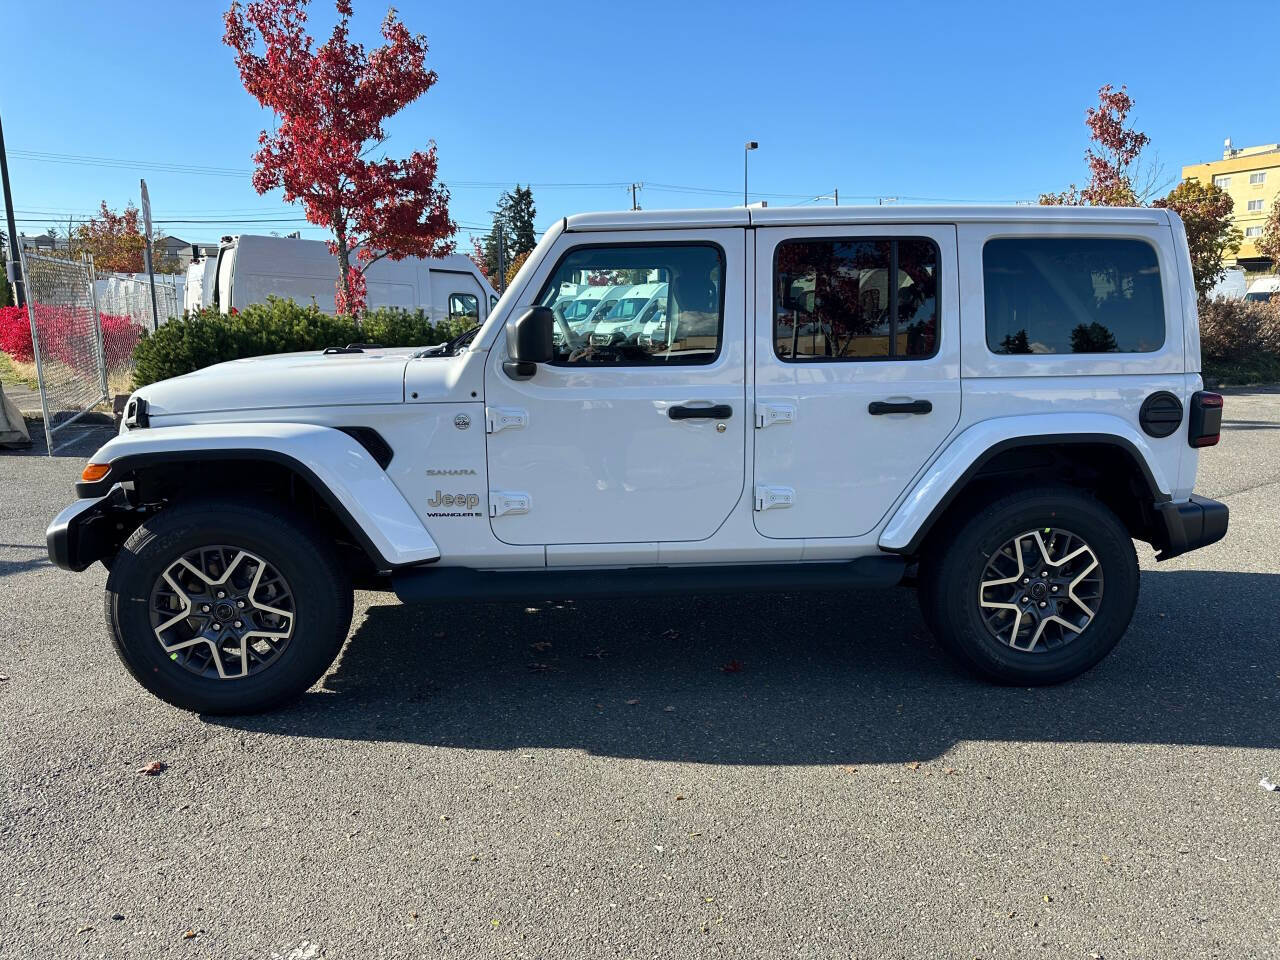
x=277 y=326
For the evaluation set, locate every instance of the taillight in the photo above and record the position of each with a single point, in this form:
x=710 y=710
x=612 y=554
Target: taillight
x=1205 y=420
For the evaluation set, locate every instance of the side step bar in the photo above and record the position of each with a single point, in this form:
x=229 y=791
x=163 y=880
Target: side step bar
x=424 y=584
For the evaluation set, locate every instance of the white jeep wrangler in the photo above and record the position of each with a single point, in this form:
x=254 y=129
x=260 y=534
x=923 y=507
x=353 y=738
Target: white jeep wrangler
x=989 y=403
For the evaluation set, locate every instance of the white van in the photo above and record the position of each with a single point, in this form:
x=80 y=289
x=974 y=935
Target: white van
x=581 y=312
x=252 y=268
x=198 y=291
x=626 y=318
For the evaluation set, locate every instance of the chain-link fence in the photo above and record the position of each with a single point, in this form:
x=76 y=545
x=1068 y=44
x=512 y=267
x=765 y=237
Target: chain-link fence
x=66 y=337
x=125 y=304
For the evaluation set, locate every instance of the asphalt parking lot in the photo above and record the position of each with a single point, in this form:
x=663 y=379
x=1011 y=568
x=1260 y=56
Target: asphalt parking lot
x=770 y=776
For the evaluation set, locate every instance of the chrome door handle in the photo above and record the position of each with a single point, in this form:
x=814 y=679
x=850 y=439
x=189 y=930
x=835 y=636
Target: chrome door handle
x=880 y=407
x=721 y=411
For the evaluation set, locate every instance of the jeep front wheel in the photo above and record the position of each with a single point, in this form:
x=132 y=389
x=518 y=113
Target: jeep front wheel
x=1033 y=588
x=227 y=607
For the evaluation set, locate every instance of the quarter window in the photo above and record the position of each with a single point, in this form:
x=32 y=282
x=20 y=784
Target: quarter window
x=873 y=298
x=1065 y=295
x=637 y=305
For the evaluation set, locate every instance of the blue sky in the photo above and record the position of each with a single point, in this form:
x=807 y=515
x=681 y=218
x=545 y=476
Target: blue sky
x=947 y=101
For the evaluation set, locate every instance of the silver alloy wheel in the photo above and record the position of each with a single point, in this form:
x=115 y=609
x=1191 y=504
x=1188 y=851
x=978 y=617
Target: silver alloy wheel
x=222 y=612
x=1040 y=590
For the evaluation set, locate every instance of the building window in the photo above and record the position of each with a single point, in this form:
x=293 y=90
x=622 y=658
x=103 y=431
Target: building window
x=1222 y=182
x=1079 y=295
x=1257 y=179
x=1255 y=206
x=1253 y=231
x=872 y=298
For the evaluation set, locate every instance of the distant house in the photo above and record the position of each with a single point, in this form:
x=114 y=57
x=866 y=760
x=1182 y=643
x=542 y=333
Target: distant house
x=181 y=250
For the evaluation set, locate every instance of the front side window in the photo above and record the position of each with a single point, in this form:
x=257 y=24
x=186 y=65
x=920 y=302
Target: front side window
x=855 y=299
x=637 y=305
x=1072 y=295
x=464 y=305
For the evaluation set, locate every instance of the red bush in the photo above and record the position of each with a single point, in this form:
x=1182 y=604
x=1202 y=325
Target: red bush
x=66 y=335
x=15 y=334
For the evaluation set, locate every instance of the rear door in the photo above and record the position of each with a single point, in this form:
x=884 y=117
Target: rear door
x=857 y=371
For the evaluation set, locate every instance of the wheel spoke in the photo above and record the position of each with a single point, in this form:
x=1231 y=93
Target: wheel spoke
x=220 y=610
x=1063 y=589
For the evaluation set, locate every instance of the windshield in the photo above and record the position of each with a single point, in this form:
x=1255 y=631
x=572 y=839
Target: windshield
x=579 y=309
x=626 y=309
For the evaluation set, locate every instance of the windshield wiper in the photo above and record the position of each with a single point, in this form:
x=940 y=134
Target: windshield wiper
x=450 y=347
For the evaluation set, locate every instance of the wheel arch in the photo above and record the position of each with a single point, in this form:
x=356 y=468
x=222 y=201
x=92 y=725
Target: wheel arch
x=332 y=471
x=1109 y=464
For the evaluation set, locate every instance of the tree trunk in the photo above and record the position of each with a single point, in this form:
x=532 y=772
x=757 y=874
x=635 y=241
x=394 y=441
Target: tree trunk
x=344 y=266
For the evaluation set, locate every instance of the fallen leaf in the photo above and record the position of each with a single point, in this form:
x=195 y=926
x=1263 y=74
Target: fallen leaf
x=154 y=768
x=913 y=766
x=733 y=666
x=679 y=796
x=1048 y=899
x=542 y=646
x=848 y=769
x=949 y=770
x=84 y=929
x=189 y=935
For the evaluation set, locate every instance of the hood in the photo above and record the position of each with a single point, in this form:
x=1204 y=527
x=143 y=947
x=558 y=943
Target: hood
x=308 y=379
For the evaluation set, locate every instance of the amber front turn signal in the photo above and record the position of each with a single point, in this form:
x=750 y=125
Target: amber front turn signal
x=95 y=471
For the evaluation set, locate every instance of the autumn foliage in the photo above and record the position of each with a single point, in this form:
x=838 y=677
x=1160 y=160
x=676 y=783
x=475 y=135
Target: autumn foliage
x=1111 y=157
x=331 y=103
x=114 y=239
x=66 y=335
x=1206 y=212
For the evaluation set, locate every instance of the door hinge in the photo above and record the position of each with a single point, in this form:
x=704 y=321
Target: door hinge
x=773 y=498
x=497 y=419
x=503 y=502
x=767 y=414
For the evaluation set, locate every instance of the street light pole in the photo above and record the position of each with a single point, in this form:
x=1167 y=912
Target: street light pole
x=15 y=259
x=746 y=152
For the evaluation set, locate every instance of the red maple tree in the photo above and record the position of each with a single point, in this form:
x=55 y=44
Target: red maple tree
x=1112 y=158
x=476 y=256
x=331 y=103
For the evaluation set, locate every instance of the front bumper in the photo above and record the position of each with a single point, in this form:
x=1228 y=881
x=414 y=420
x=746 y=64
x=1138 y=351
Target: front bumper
x=1189 y=525
x=90 y=529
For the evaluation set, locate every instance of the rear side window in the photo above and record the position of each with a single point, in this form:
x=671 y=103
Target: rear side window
x=1072 y=295
x=873 y=298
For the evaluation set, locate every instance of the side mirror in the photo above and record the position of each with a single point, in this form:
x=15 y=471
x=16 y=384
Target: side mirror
x=529 y=342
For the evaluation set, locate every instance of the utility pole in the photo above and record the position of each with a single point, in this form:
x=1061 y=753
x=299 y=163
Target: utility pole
x=746 y=152
x=15 y=259
x=634 y=188
x=836 y=193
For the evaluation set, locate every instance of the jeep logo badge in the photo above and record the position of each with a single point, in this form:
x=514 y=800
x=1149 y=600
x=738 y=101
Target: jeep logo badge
x=462 y=421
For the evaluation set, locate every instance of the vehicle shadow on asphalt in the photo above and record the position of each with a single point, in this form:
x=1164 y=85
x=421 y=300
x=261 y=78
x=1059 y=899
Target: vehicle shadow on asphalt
x=801 y=679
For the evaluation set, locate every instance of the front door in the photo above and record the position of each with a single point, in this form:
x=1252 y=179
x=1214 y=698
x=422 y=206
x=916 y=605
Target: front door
x=857 y=371
x=636 y=432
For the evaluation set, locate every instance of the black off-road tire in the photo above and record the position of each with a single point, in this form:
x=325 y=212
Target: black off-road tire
x=321 y=598
x=952 y=570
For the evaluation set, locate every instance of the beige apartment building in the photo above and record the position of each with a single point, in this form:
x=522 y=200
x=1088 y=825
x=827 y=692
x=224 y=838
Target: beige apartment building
x=1251 y=175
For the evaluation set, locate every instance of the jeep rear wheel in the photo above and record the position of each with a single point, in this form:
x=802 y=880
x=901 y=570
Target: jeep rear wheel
x=1033 y=588
x=227 y=607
